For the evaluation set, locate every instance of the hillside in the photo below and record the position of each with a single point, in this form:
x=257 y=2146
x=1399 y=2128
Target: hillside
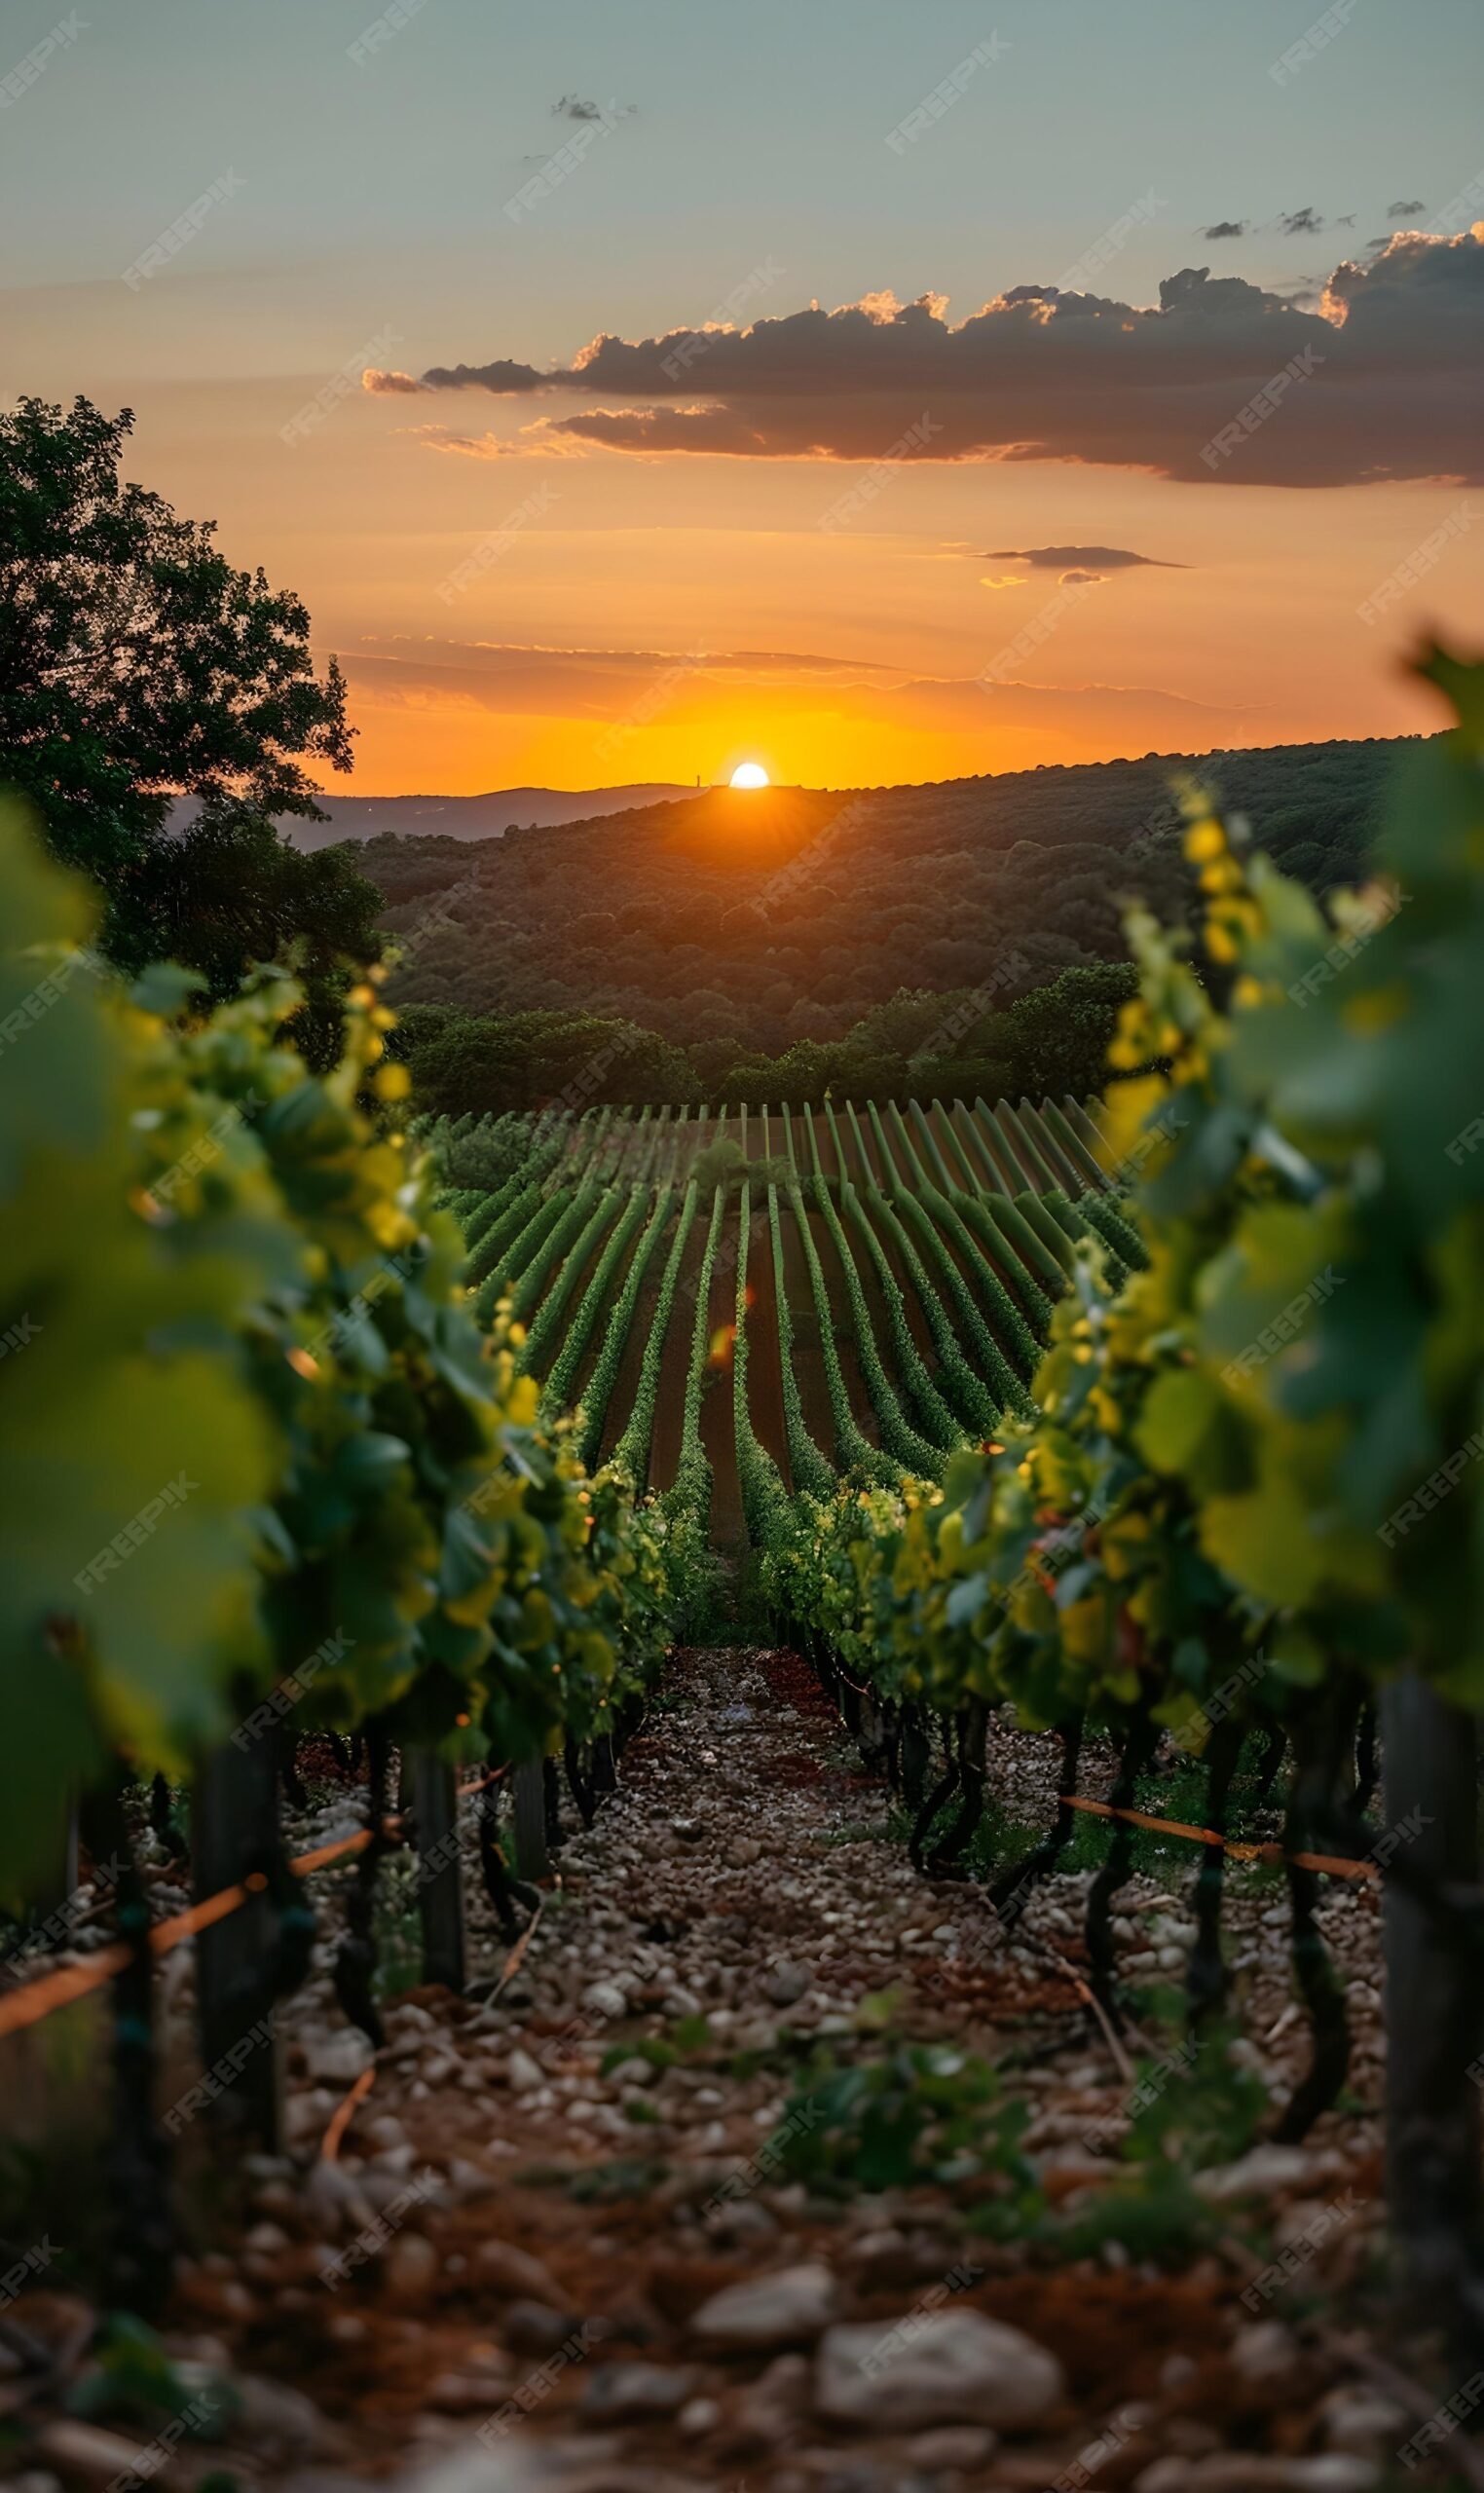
x=488 y=816
x=786 y=916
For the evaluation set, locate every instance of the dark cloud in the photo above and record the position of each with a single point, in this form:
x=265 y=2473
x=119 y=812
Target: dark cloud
x=1406 y=208
x=1227 y=231
x=1303 y=220
x=1386 y=374
x=1051 y=558
x=1079 y=580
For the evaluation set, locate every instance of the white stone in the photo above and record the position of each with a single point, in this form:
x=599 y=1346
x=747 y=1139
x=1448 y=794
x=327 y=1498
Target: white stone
x=934 y=2367
x=784 y=2308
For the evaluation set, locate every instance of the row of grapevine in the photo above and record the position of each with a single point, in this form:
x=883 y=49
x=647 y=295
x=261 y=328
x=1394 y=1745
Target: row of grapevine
x=1247 y=1500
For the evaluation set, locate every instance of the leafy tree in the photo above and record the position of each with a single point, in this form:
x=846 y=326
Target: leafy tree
x=136 y=663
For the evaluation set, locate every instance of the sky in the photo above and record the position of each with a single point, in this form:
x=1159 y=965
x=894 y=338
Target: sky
x=917 y=444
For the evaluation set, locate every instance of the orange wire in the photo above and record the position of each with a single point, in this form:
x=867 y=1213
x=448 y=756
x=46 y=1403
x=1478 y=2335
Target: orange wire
x=38 y=1999
x=340 y=2120
x=1336 y=1864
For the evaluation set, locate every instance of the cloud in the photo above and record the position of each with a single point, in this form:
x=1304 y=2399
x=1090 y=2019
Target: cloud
x=1051 y=558
x=1301 y=220
x=1079 y=580
x=389 y=385
x=1007 y=724
x=1227 y=231
x=1391 y=358
x=1406 y=208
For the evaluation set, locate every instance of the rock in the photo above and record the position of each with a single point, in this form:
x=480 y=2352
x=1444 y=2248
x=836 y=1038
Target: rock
x=277 y=2423
x=785 y=1984
x=1256 y=2175
x=773 y=2408
x=1260 y=2471
x=525 y=2073
x=934 y=2367
x=506 y=2271
x=1363 y=2422
x=339 y=2058
x=85 y=2454
x=697 y=2416
x=622 y=2392
x=537 y=2327
x=1265 y=2354
x=605 y=2000
x=410 y=2271
x=954 y=2448
x=789 y=2307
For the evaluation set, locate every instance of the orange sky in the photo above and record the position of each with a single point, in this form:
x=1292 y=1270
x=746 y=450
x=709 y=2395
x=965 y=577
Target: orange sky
x=615 y=634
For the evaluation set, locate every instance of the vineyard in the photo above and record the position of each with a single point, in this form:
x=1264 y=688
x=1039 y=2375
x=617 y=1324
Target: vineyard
x=450 y=1541
x=853 y=1290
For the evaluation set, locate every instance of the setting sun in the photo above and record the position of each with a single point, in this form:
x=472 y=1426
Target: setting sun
x=749 y=775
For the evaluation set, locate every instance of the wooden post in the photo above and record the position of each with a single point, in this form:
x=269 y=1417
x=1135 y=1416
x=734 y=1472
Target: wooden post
x=440 y=1877
x=235 y=1828
x=1434 y=2008
x=531 y=1858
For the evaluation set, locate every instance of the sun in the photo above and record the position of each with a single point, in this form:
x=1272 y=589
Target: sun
x=750 y=775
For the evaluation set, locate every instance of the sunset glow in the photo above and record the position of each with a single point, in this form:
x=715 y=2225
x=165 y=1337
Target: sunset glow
x=749 y=775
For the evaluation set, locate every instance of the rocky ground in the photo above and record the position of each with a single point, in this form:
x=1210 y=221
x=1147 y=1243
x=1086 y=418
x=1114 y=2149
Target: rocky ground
x=627 y=2223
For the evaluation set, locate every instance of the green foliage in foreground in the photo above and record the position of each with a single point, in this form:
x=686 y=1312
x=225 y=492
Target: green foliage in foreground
x=249 y=1429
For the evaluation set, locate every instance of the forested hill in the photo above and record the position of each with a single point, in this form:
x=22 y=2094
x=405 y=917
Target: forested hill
x=788 y=913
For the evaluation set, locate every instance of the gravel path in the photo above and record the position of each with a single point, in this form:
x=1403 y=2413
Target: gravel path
x=577 y=2237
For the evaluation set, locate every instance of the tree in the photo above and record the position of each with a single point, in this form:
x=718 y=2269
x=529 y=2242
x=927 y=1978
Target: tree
x=136 y=663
